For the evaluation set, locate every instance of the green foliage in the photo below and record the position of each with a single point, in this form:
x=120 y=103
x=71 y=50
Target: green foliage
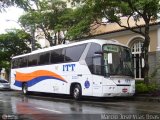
x=25 y=4
x=80 y=20
x=113 y=10
x=152 y=87
x=66 y=19
x=141 y=87
x=11 y=44
x=45 y=17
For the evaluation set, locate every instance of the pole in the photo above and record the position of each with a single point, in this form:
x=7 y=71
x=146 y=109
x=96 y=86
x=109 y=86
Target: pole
x=33 y=38
x=0 y=71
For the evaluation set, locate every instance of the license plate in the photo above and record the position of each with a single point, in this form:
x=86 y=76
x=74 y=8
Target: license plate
x=124 y=90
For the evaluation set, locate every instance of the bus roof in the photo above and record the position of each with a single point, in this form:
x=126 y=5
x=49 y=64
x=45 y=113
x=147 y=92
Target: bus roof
x=99 y=41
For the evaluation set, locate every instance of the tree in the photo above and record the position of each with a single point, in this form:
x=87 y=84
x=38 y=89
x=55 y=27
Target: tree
x=77 y=22
x=44 y=17
x=25 y=4
x=113 y=10
x=13 y=43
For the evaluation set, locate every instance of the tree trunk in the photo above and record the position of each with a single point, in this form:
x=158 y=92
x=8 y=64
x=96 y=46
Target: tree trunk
x=50 y=40
x=59 y=37
x=33 y=38
x=145 y=51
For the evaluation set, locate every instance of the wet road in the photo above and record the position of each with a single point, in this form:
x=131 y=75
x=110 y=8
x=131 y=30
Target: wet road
x=13 y=105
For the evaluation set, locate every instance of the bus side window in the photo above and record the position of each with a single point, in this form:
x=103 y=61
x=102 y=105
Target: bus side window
x=97 y=65
x=57 y=56
x=43 y=58
x=15 y=63
x=32 y=60
x=89 y=58
x=73 y=54
x=23 y=62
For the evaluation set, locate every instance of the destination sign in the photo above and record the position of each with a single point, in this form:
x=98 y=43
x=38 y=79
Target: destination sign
x=111 y=48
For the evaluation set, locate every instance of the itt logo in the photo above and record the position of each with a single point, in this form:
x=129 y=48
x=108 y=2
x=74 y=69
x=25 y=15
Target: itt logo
x=69 y=67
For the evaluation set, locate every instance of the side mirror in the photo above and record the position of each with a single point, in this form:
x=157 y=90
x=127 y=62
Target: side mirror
x=98 y=52
x=110 y=60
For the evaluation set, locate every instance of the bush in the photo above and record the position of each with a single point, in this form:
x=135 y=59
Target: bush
x=143 y=88
x=152 y=87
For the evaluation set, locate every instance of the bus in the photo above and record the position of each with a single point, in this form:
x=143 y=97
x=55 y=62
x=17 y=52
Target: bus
x=94 y=67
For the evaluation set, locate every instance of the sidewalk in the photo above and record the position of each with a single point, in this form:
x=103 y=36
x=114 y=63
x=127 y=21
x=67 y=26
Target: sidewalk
x=147 y=98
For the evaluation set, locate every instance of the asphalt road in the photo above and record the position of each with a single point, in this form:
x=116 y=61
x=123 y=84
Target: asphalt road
x=14 y=105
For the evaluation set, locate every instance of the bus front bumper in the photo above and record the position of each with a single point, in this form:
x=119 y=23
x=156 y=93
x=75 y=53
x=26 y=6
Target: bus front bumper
x=113 y=91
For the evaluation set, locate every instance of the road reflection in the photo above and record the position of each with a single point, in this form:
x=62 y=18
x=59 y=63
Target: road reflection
x=26 y=109
x=16 y=106
x=50 y=110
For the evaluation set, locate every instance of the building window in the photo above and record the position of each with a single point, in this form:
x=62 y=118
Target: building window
x=138 y=61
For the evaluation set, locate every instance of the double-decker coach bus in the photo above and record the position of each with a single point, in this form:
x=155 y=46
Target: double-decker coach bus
x=95 y=67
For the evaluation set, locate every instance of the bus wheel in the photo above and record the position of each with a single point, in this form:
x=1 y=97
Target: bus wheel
x=77 y=93
x=24 y=88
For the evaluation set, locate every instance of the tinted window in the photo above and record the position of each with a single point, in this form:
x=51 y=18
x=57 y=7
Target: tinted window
x=43 y=58
x=32 y=60
x=97 y=65
x=23 y=61
x=89 y=58
x=15 y=63
x=74 y=53
x=57 y=56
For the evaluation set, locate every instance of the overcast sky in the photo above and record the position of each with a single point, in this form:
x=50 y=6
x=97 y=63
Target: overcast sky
x=8 y=19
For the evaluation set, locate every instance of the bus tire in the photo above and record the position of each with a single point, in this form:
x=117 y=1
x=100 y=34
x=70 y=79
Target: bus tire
x=77 y=92
x=24 y=88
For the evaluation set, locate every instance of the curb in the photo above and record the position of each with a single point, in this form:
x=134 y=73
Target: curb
x=146 y=99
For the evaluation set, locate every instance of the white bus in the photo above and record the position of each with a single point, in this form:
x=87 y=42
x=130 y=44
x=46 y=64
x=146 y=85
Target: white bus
x=95 y=67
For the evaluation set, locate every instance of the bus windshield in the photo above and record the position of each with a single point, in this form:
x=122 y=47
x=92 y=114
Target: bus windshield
x=117 y=60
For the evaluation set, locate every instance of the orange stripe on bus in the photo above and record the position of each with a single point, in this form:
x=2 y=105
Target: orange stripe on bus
x=24 y=77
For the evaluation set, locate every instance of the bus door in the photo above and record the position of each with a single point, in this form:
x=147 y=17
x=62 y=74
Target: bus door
x=97 y=75
x=87 y=84
x=97 y=85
